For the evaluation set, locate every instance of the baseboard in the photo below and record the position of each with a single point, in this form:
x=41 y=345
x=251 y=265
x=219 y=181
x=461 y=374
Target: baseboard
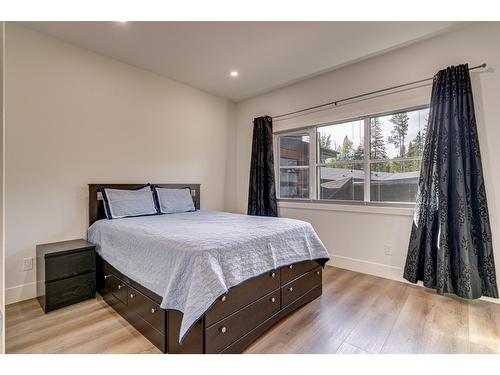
x=380 y=270
x=20 y=293
x=370 y=268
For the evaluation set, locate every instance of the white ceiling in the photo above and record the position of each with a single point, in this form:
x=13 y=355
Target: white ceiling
x=267 y=55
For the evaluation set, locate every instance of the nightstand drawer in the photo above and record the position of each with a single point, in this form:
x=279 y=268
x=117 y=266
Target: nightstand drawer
x=69 y=265
x=68 y=291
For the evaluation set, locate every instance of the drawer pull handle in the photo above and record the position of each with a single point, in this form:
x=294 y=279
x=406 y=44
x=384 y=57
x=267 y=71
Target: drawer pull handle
x=223 y=330
x=273 y=275
x=153 y=310
x=107 y=277
x=132 y=295
x=317 y=272
x=290 y=289
x=290 y=266
x=273 y=300
x=223 y=299
x=120 y=286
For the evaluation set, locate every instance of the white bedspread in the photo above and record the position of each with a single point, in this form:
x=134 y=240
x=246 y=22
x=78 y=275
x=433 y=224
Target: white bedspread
x=192 y=258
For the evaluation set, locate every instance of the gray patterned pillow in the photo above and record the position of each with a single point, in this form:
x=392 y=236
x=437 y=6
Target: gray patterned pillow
x=171 y=201
x=120 y=203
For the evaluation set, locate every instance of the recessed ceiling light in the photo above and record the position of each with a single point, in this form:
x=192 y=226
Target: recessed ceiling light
x=234 y=73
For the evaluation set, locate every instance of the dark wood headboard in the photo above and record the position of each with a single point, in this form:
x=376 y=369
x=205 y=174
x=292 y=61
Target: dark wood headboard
x=96 y=204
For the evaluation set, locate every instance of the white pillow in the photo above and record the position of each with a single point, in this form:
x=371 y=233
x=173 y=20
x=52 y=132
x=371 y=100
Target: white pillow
x=120 y=203
x=171 y=201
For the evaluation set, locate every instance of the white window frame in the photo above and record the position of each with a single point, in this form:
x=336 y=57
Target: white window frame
x=313 y=166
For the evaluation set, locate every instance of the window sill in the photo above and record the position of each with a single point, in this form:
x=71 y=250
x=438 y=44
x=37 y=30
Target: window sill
x=361 y=207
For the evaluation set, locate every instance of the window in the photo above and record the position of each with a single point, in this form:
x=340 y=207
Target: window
x=294 y=157
x=371 y=159
x=341 y=161
x=396 y=147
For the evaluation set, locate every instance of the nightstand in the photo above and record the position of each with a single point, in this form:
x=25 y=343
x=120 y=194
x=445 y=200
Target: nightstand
x=65 y=273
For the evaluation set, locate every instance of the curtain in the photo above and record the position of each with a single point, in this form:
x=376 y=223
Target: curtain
x=450 y=247
x=262 y=191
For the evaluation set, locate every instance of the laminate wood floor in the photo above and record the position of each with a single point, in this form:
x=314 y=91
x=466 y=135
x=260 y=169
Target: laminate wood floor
x=357 y=314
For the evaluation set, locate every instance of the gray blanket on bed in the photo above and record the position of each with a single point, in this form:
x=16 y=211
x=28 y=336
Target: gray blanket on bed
x=192 y=258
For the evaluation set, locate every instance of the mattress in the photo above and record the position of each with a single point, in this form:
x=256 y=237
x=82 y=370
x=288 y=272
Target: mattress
x=190 y=259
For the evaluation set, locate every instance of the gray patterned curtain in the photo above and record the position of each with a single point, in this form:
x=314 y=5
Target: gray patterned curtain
x=450 y=247
x=262 y=191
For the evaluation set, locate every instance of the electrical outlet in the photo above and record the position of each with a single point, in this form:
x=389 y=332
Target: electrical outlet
x=27 y=264
x=387 y=249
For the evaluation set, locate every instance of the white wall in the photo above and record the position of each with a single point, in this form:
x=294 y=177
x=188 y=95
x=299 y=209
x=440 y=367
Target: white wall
x=74 y=117
x=356 y=239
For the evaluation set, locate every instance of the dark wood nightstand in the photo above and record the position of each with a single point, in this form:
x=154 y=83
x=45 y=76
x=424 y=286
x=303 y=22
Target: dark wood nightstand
x=65 y=273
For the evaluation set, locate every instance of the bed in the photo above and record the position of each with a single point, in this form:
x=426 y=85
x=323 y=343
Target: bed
x=203 y=281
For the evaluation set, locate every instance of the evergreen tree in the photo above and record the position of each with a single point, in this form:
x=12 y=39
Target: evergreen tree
x=397 y=137
x=398 y=132
x=325 y=143
x=415 y=148
x=359 y=153
x=346 y=151
x=377 y=143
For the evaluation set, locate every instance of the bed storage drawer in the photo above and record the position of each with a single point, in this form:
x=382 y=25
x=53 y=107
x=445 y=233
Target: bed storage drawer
x=240 y=296
x=300 y=286
x=116 y=286
x=225 y=332
x=147 y=330
x=116 y=289
x=291 y=272
x=147 y=309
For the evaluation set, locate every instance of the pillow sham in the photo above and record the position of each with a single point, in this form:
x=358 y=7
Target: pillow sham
x=172 y=201
x=119 y=203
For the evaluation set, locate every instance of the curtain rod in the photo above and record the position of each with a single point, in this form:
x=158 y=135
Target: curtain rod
x=336 y=102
